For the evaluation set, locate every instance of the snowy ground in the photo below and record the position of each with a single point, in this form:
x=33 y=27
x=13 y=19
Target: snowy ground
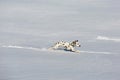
x=23 y=64
x=29 y=27
x=30 y=60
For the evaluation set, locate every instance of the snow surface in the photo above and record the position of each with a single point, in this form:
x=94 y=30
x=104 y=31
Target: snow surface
x=29 y=27
x=24 y=64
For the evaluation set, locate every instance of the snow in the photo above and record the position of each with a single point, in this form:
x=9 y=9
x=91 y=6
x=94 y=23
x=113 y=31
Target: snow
x=24 y=64
x=29 y=27
x=108 y=39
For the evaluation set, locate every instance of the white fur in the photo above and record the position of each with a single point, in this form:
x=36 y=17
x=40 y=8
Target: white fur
x=66 y=45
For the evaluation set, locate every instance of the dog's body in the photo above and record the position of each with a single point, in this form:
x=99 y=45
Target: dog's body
x=67 y=46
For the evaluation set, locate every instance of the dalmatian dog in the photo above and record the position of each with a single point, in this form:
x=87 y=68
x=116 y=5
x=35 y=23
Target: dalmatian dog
x=66 y=46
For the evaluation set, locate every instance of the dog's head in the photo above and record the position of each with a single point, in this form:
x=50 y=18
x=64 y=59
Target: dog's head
x=75 y=43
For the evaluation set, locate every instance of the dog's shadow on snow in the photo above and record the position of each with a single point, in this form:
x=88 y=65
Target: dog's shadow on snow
x=62 y=49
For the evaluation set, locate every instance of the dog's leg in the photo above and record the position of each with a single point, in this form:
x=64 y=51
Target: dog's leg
x=77 y=51
x=73 y=50
x=56 y=46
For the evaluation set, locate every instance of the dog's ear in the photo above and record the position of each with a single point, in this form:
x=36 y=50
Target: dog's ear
x=76 y=40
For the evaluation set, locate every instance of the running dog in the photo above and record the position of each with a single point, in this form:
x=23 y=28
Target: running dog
x=66 y=45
